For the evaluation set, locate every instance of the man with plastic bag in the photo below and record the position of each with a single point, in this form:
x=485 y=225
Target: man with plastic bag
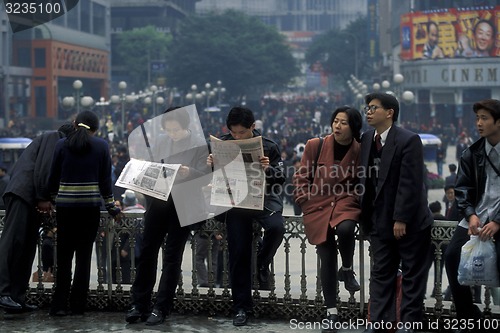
x=476 y=190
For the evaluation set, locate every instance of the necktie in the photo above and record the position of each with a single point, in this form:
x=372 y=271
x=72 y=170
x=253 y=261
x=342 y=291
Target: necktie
x=378 y=143
x=448 y=211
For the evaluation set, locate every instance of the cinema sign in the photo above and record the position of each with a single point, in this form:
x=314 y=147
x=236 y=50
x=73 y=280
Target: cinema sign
x=444 y=75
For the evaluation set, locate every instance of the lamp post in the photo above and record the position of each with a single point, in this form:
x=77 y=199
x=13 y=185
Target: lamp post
x=194 y=94
x=87 y=102
x=219 y=90
x=77 y=85
x=358 y=89
x=153 y=90
x=122 y=85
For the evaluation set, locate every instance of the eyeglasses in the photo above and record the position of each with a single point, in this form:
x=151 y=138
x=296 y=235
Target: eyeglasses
x=371 y=108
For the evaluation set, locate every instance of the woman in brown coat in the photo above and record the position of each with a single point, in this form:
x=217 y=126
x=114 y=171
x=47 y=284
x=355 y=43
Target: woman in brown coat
x=328 y=196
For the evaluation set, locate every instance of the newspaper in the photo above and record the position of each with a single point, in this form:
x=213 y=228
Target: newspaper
x=149 y=178
x=238 y=179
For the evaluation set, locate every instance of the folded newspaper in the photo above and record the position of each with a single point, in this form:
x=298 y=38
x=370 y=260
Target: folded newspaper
x=238 y=178
x=149 y=178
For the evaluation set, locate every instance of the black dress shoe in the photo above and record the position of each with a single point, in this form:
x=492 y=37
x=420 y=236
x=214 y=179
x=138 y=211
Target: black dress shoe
x=8 y=303
x=134 y=314
x=350 y=282
x=332 y=324
x=29 y=307
x=240 y=319
x=24 y=308
x=156 y=318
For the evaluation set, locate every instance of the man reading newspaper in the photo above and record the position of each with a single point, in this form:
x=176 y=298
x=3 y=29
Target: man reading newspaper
x=241 y=125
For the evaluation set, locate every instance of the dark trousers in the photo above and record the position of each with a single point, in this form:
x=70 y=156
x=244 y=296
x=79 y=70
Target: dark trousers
x=412 y=253
x=327 y=252
x=76 y=233
x=160 y=220
x=239 y=237
x=462 y=295
x=17 y=247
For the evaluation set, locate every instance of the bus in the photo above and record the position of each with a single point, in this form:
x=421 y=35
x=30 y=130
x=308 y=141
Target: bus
x=11 y=149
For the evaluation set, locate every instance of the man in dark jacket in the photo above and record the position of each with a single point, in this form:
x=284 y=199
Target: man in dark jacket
x=26 y=193
x=394 y=212
x=476 y=191
x=241 y=124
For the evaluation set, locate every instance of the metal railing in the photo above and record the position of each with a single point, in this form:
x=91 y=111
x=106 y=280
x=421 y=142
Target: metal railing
x=295 y=290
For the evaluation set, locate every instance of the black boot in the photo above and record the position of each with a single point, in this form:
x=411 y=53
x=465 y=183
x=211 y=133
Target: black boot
x=350 y=282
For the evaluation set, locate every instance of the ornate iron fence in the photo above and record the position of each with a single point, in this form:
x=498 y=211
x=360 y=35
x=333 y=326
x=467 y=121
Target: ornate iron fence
x=295 y=290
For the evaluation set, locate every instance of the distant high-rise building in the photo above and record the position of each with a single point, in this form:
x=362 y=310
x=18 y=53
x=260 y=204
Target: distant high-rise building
x=293 y=15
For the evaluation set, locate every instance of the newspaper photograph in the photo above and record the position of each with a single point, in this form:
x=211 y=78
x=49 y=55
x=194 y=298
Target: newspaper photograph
x=149 y=178
x=238 y=178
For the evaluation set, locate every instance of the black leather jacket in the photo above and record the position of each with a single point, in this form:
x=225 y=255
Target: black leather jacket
x=471 y=180
x=275 y=175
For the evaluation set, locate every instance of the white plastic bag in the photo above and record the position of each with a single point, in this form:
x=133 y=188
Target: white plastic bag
x=478 y=263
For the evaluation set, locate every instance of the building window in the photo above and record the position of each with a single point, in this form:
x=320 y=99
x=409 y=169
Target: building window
x=24 y=57
x=40 y=102
x=40 y=58
x=99 y=16
x=85 y=15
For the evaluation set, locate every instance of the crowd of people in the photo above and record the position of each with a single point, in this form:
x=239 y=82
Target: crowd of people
x=345 y=178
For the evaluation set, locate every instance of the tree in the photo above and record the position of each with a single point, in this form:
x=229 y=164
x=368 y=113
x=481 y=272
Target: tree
x=241 y=51
x=335 y=51
x=136 y=48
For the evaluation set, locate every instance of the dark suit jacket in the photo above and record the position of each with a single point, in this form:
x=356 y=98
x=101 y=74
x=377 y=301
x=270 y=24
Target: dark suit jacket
x=400 y=194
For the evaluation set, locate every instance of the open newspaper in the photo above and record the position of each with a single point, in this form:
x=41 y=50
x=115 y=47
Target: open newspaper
x=238 y=178
x=149 y=178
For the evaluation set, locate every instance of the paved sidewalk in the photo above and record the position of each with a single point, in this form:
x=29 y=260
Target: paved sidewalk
x=98 y=322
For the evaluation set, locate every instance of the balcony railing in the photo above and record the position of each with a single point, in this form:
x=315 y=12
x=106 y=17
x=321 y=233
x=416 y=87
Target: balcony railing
x=295 y=290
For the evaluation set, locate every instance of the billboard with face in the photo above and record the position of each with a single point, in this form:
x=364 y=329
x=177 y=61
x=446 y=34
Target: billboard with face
x=451 y=33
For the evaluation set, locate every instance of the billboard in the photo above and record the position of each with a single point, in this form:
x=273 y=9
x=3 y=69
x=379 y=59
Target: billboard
x=451 y=33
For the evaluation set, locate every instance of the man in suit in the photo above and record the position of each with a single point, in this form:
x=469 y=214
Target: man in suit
x=395 y=213
x=450 y=180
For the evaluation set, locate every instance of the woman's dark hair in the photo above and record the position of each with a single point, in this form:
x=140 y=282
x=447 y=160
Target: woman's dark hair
x=388 y=101
x=181 y=117
x=240 y=115
x=86 y=122
x=354 y=119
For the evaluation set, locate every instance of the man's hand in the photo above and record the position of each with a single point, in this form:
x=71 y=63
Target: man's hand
x=474 y=224
x=183 y=171
x=210 y=160
x=264 y=161
x=489 y=230
x=399 y=229
x=44 y=207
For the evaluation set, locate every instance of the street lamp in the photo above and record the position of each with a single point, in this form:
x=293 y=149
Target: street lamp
x=68 y=102
x=153 y=90
x=77 y=85
x=87 y=102
x=194 y=94
x=219 y=90
x=122 y=85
